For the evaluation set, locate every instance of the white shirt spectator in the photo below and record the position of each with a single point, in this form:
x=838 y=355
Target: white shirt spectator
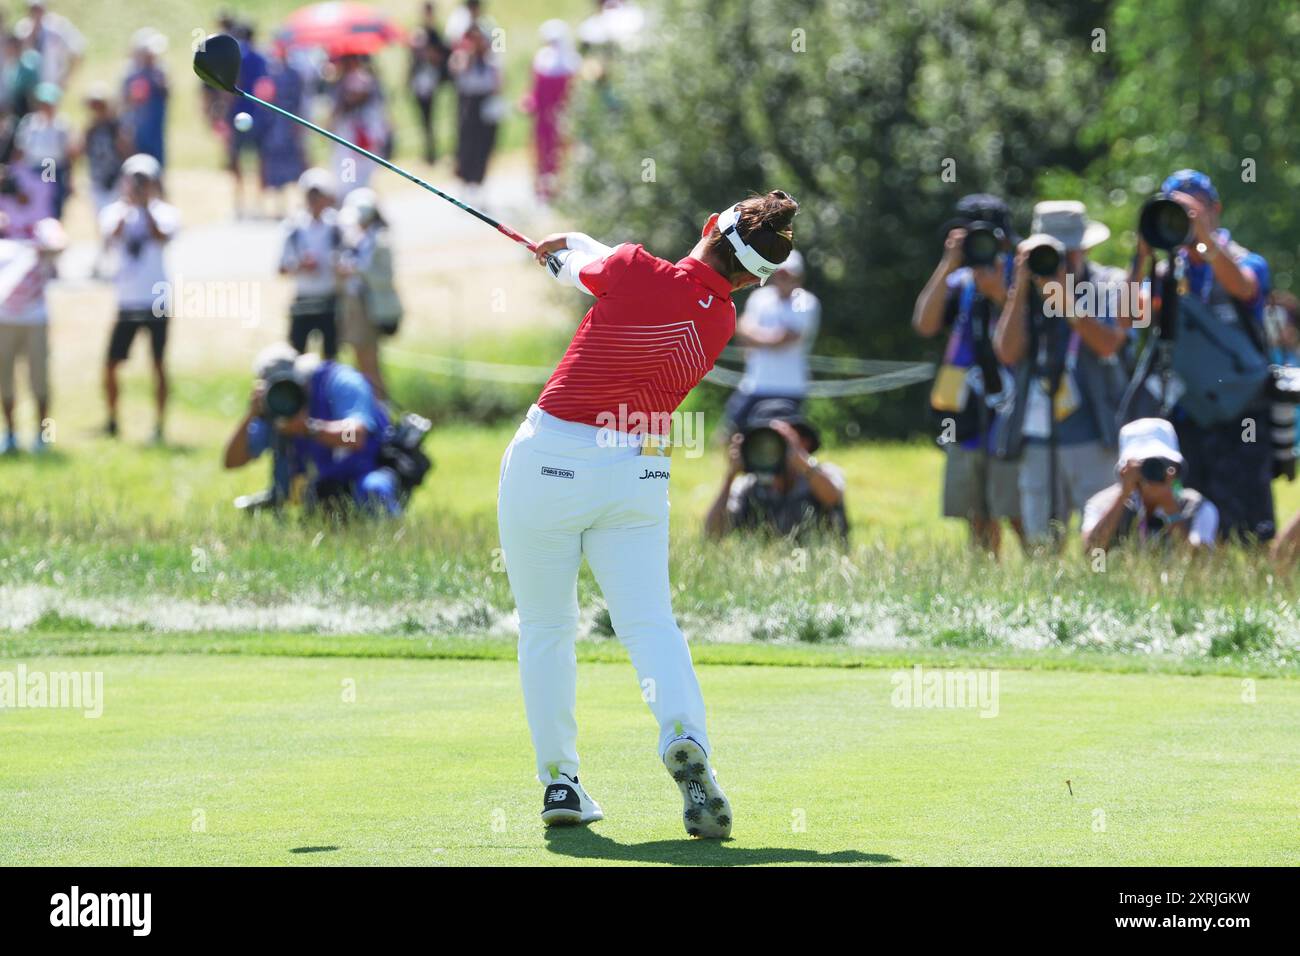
x=43 y=138
x=781 y=369
x=58 y=41
x=23 y=274
x=141 y=273
x=318 y=240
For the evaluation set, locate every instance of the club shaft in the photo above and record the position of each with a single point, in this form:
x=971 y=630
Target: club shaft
x=484 y=217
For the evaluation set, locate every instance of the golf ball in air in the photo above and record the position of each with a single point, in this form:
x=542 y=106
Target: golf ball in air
x=243 y=122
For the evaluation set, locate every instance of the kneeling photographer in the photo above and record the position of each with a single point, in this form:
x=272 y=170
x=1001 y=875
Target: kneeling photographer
x=773 y=483
x=332 y=443
x=1149 y=502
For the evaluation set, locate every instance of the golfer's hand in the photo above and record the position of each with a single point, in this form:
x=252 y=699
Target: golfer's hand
x=551 y=244
x=257 y=400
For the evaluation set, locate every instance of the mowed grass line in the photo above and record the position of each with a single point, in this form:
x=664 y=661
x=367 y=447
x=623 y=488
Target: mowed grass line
x=217 y=760
x=40 y=644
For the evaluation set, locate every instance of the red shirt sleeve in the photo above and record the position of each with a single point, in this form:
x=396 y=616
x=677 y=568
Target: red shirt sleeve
x=600 y=277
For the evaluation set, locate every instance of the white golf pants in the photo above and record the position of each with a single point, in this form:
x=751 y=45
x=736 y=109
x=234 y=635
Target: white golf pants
x=565 y=493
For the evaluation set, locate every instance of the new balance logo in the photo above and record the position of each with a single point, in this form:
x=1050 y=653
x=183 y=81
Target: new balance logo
x=654 y=474
x=557 y=473
x=558 y=795
x=696 y=791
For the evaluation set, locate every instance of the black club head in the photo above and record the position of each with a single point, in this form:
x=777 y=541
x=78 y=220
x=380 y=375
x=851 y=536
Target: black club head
x=217 y=60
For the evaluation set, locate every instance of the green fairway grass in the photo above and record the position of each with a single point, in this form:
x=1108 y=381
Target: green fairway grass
x=201 y=760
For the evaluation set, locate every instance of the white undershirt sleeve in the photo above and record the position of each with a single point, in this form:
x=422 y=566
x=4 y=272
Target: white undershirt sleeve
x=583 y=250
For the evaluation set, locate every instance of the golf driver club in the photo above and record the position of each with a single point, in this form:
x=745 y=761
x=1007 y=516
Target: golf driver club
x=217 y=61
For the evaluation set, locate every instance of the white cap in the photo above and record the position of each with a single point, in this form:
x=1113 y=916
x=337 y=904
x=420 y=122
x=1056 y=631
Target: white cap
x=363 y=200
x=793 y=264
x=142 y=164
x=318 y=179
x=49 y=235
x=1148 y=438
x=149 y=40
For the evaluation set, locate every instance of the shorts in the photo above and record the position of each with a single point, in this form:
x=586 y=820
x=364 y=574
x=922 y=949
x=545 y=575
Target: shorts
x=321 y=317
x=356 y=329
x=33 y=342
x=1082 y=470
x=977 y=485
x=131 y=321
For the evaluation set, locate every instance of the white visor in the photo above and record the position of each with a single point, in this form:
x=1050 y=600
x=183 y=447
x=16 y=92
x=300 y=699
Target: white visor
x=754 y=263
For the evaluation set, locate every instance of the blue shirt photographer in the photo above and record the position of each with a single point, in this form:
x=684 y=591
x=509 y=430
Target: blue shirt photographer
x=335 y=392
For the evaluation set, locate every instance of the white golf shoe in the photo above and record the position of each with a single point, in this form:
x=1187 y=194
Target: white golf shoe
x=566 y=803
x=706 y=812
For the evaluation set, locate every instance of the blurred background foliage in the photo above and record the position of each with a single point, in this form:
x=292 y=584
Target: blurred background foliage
x=857 y=108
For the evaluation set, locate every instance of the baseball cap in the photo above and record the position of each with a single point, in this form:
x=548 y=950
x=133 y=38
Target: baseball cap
x=982 y=207
x=317 y=179
x=1148 y=438
x=768 y=410
x=1190 y=181
x=49 y=235
x=793 y=264
x=47 y=93
x=142 y=164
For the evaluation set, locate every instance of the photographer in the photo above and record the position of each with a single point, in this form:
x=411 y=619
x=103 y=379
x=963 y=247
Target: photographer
x=1149 y=502
x=774 y=484
x=136 y=229
x=965 y=298
x=1058 y=337
x=325 y=429
x=1233 y=283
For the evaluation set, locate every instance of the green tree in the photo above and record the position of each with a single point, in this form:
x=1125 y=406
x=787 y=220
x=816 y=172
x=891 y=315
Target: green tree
x=1207 y=84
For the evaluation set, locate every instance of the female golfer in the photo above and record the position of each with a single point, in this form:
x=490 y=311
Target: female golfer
x=587 y=475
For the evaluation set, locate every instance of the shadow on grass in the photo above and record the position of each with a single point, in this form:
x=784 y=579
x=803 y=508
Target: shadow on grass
x=585 y=843
x=313 y=849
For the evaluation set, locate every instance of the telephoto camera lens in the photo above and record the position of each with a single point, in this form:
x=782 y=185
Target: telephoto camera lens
x=1164 y=224
x=981 y=244
x=762 y=451
x=284 y=398
x=1044 y=261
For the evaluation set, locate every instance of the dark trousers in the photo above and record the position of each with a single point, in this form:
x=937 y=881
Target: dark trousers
x=425 y=106
x=303 y=323
x=1235 y=475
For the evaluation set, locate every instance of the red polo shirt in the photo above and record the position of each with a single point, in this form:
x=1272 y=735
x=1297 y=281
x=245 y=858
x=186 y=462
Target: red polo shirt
x=656 y=329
